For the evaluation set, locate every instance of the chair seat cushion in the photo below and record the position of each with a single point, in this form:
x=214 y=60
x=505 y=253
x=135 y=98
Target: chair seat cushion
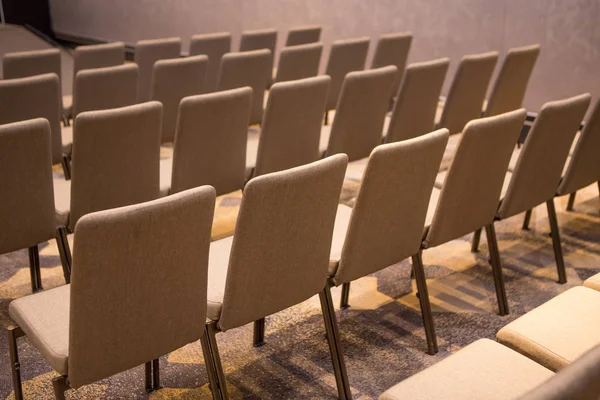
x=67 y=101
x=44 y=317
x=342 y=220
x=356 y=169
x=218 y=263
x=593 y=282
x=482 y=370
x=62 y=201
x=559 y=331
x=66 y=134
x=433 y=201
x=166 y=169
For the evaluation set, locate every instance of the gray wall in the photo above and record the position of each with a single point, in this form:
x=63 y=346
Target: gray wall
x=568 y=30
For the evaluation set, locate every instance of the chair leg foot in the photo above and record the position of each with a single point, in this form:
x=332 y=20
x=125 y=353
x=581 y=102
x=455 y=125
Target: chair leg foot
x=345 y=296
x=526 y=220
x=220 y=391
x=558 y=254
x=60 y=386
x=15 y=332
x=259 y=333
x=34 y=269
x=64 y=251
x=571 y=201
x=475 y=242
x=490 y=232
x=423 y=295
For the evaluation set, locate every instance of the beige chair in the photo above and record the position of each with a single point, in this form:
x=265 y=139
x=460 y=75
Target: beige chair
x=103 y=178
x=467 y=92
x=299 y=62
x=360 y=114
x=138 y=293
x=593 y=282
x=248 y=68
x=214 y=46
x=390 y=211
x=210 y=143
x=414 y=111
x=172 y=80
x=345 y=56
x=469 y=196
x=393 y=49
x=26 y=193
x=511 y=84
x=147 y=52
x=291 y=128
x=584 y=164
x=258 y=40
x=278 y=256
x=303 y=35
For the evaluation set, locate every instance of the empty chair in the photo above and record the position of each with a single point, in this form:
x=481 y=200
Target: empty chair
x=103 y=177
x=360 y=114
x=278 y=256
x=345 y=56
x=303 y=35
x=147 y=52
x=393 y=49
x=210 y=143
x=248 y=68
x=414 y=110
x=291 y=128
x=26 y=193
x=28 y=63
x=172 y=80
x=138 y=293
x=390 y=211
x=469 y=196
x=212 y=45
x=298 y=62
x=258 y=40
x=467 y=92
x=511 y=84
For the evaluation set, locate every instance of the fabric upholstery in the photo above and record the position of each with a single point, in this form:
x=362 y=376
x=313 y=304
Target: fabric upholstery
x=211 y=139
x=414 y=111
x=29 y=63
x=280 y=248
x=360 y=113
x=482 y=370
x=559 y=331
x=34 y=97
x=593 y=282
x=26 y=192
x=509 y=89
x=539 y=168
x=468 y=90
x=298 y=62
x=292 y=123
x=345 y=56
x=303 y=35
x=212 y=45
x=147 y=52
x=98 y=56
x=469 y=197
x=391 y=206
x=66 y=133
x=393 y=49
x=249 y=68
x=258 y=40
x=218 y=264
x=584 y=166
x=103 y=178
x=173 y=80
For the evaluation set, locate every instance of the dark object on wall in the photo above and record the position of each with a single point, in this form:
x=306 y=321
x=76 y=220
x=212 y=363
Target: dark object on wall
x=35 y=13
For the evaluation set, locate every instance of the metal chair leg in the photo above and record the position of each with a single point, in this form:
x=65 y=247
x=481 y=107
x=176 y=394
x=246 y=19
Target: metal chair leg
x=326 y=122
x=333 y=339
x=558 y=255
x=156 y=374
x=15 y=332
x=259 y=332
x=490 y=232
x=345 y=296
x=210 y=367
x=66 y=166
x=432 y=347
x=148 y=375
x=211 y=330
x=475 y=242
x=34 y=269
x=60 y=386
x=64 y=251
x=571 y=201
x=526 y=220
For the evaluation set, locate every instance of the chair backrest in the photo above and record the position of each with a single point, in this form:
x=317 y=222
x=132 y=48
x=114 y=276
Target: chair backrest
x=212 y=45
x=469 y=198
x=511 y=84
x=414 y=111
x=467 y=92
x=29 y=63
x=258 y=40
x=248 y=68
x=138 y=269
x=393 y=49
x=26 y=192
x=299 y=62
x=539 y=168
x=391 y=206
x=147 y=52
x=105 y=88
x=173 y=80
x=291 y=128
x=345 y=56
x=358 y=125
x=303 y=35
x=211 y=139
x=584 y=168
x=116 y=156
x=34 y=97
x=280 y=251
x=98 y=56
